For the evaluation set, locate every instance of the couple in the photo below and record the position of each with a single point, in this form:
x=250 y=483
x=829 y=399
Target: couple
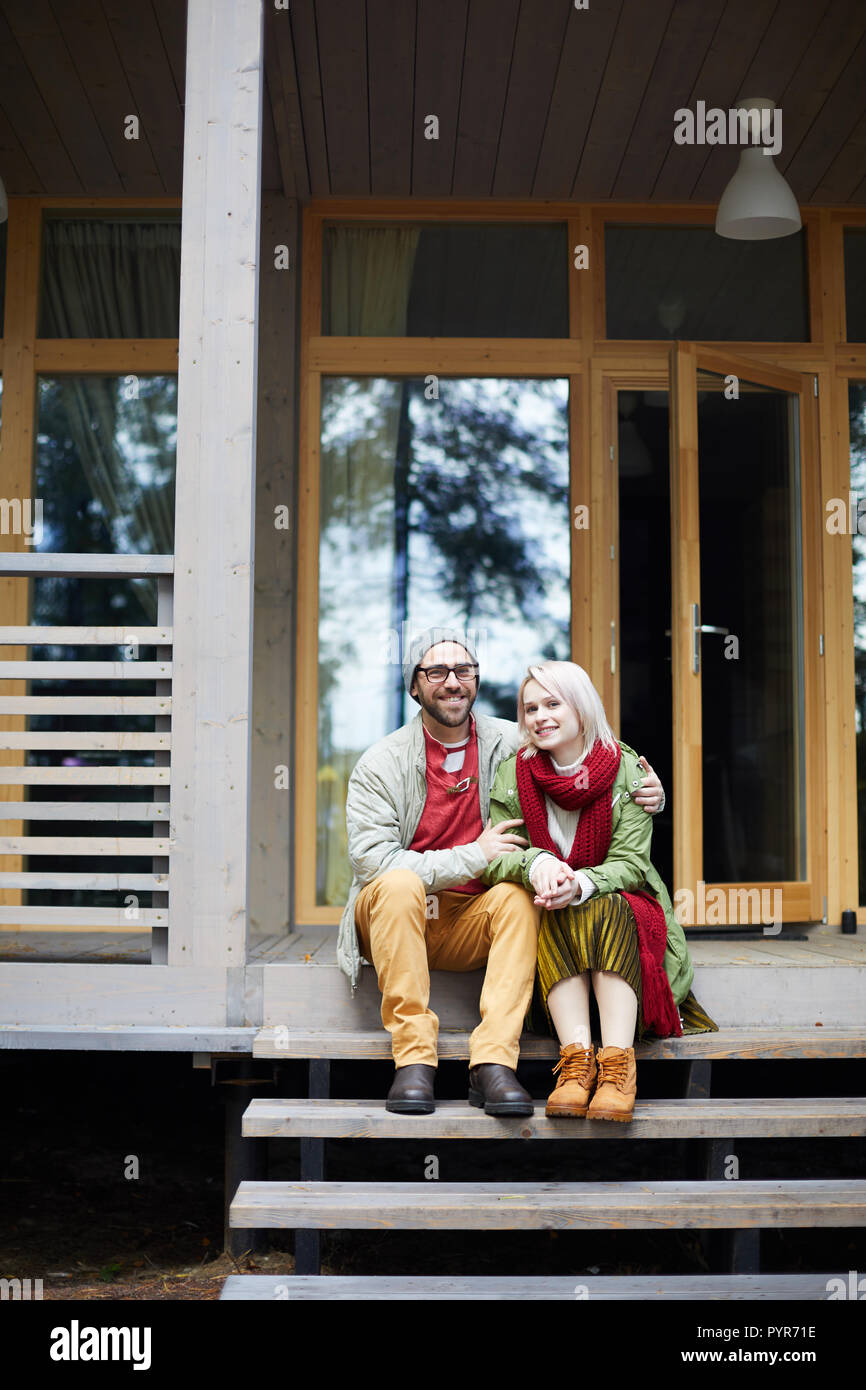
x=474 y=841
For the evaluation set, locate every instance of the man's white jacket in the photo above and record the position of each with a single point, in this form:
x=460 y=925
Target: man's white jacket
x=386 y=796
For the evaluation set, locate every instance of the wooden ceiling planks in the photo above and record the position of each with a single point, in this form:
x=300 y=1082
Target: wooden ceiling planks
x=440 y=44
x=44 y=50
x=533 y=100
x=839 y=183
x=93 y=52
x=391 y=73
x=280 y=55
x=684 y=47
x=490 y=37
x=275 y=113
x=834 y=123
x=780 y=51
x=171 y=18
x=18 y=173
x=274 y=177
x=157 y=102
x=636 y=43
x=840 y=31
x=25 y=109
x=306 y=52
x=342 y=31
x=582 y=65
x=718 y=83
x=537 y=48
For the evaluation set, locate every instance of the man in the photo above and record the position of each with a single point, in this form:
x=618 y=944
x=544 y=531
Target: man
x=419 y=841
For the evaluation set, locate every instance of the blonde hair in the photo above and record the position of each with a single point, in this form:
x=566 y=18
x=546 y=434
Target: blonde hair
x=571 y=684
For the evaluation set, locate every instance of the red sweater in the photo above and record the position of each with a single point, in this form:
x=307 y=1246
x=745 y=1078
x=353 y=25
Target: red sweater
x=450 y=817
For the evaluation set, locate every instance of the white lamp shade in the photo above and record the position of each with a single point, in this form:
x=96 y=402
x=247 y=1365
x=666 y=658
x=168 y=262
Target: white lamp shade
x=758 y=203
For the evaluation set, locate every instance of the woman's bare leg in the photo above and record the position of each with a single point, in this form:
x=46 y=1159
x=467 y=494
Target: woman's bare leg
x=568 y=1004
x=617 y=1008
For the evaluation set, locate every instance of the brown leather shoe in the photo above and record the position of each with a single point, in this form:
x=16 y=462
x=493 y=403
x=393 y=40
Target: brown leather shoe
x=575 y=1083
x=496 y=1088
x=617 y=1085
x=412 y=1090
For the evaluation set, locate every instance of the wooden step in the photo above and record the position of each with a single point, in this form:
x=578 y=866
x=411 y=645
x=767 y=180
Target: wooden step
x=549 y=1205
x=653 y=1119
x=284 y=1041
x=784 y=1288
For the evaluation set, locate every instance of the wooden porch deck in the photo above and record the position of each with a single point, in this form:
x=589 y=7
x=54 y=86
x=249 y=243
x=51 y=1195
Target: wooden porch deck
x=292 y=981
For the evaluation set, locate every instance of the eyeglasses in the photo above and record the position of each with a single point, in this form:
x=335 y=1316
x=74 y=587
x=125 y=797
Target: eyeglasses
x=437 y=674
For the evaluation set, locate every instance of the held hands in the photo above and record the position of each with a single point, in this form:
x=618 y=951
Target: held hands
x=554 y=883
x=494 y=840
x=650 y=794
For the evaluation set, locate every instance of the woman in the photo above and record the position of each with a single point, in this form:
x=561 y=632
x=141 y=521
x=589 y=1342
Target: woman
x=606 y=921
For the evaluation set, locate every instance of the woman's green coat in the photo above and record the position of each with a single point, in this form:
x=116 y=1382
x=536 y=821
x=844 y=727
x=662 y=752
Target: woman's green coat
x=627 y=866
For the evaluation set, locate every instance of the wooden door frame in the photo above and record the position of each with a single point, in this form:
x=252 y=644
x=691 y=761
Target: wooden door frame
x=801 y=901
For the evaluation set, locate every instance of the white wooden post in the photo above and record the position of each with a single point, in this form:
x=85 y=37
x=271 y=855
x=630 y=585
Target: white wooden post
x=213 y=611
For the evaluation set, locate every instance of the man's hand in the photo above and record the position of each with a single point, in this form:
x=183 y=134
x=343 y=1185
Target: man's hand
x=651 y=794
x=493 y=841
x=554 y=883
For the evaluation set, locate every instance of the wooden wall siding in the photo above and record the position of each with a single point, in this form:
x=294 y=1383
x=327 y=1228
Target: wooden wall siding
x=546 y=101
x=273 y=629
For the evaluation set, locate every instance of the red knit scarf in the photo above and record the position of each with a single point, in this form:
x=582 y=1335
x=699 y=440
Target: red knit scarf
x=589 y=792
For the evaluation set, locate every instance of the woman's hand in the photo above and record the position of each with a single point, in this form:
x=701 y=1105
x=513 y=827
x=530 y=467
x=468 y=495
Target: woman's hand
x=650 y=794
x=553 y=882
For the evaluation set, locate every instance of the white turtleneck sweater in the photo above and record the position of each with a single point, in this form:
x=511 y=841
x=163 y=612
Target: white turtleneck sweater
x=562 y=825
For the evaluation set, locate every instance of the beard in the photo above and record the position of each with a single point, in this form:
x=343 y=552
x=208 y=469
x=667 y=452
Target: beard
x=449 y=716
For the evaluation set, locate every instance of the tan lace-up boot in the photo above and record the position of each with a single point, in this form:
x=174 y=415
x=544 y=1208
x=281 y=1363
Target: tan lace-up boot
x=575 y=1083
x=617 y=1084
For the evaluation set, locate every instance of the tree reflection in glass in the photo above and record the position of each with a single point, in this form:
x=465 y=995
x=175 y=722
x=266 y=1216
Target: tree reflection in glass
x=448 y=508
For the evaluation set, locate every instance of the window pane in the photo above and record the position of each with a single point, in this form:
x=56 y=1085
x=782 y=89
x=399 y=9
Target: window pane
x=646 y=698
x=855 y=286
x=448 y=511
x=105 y=462
x=857 y=413
x=110 y=278
x=752 y=668
x=688 y=283
x=446 y=280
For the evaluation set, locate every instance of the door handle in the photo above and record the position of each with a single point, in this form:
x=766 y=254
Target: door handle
x=697 y=628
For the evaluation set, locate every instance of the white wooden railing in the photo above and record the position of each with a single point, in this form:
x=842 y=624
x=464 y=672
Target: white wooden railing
x=127 y=916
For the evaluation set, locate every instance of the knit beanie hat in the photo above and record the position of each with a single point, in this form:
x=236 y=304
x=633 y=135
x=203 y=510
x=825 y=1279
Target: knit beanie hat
x=414 y=651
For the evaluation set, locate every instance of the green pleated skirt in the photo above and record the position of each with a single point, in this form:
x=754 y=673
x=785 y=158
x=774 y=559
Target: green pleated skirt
x=601 y=934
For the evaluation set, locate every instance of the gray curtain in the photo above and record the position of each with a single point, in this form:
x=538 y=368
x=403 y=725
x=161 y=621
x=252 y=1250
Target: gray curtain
x=368 y=276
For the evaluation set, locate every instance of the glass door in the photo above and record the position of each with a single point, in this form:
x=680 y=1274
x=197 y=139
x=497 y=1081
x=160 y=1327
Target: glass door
x=745 y=536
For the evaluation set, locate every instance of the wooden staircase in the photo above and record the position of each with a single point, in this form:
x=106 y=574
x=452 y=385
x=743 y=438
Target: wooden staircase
x=744 y=1206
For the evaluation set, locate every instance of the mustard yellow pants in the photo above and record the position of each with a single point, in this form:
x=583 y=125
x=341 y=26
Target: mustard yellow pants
x=405 y=938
